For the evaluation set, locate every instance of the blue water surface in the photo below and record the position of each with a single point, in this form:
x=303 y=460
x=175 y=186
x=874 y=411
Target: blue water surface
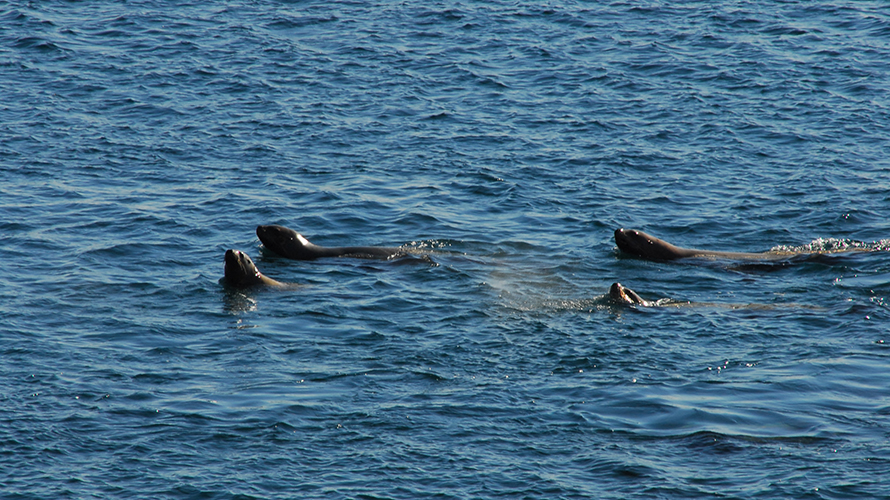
x=502 y=143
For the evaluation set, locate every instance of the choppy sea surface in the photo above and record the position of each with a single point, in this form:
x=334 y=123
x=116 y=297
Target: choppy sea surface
x=502 y=143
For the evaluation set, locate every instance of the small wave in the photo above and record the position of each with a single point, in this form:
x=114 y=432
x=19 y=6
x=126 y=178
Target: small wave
x=289 y=24
x=36 y=43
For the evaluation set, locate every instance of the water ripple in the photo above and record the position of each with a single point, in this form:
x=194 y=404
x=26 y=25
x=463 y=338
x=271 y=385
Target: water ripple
x=502 y=143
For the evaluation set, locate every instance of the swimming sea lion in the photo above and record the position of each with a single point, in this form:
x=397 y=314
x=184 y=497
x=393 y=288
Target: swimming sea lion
x=291 y=244
x=649 y=247
x=241 y=272
x=623 y=295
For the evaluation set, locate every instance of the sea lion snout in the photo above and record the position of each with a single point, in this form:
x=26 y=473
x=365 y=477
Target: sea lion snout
x=232 y=258
x=628 y=240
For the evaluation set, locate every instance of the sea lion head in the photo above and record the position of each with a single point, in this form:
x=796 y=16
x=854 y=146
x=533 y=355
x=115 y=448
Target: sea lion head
x=240 y=269
x=623 y=295
x=638 y=243
x=284 y=241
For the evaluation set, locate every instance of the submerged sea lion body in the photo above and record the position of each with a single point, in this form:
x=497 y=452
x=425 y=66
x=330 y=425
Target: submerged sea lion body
x=241 y=272
x=292 y=245
x=643 y=245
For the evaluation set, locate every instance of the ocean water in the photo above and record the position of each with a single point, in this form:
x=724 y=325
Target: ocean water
x=502 y=143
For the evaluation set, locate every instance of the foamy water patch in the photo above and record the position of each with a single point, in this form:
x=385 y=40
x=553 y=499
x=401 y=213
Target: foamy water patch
x=835 y=245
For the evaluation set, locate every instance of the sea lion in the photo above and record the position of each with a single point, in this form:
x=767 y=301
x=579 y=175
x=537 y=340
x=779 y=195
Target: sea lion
x=292 y=245
x=241 y=272
x=649 y=247
x=622 y=295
